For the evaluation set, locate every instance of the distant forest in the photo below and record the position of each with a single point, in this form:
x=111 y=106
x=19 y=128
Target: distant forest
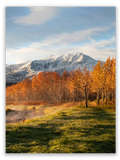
x=78 y=85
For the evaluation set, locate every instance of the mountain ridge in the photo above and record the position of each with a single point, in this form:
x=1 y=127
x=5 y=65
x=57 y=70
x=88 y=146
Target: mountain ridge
x=18 y=72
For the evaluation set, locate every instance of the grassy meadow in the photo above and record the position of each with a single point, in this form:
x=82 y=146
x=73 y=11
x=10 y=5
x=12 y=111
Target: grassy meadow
x=68 y=130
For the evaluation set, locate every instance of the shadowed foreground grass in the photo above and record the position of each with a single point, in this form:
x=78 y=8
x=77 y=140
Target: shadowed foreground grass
x=73 y=130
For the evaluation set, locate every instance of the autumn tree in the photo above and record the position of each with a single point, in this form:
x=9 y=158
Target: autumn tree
x=113 y=78
x=85 y=84
x=75 y=83
x=34 y=88
x=107 y=77
x=10 y=94
x=65 y=86
x=53 y=87
x=96 y=79
x=106 y=71
x=57 y=87
x=26 y=89
x=39 y=86
x=80 y=80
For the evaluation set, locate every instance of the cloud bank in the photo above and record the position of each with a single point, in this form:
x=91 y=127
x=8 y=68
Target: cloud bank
x=63 y=43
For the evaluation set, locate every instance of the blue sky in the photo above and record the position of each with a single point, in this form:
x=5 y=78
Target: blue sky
x=38 y=32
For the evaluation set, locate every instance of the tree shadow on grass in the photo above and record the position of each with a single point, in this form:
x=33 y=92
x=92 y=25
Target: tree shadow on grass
x=97 y=114
x=96 y=146
x=102 y=127
x=30 y=136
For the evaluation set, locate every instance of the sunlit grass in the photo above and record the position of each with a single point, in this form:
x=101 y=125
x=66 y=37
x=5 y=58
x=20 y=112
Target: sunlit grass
x=72 y=130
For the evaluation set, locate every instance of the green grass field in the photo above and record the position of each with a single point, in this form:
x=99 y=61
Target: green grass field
x=72 y=130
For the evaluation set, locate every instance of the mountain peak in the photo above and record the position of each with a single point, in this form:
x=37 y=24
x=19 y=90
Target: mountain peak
x=59 y=63
x=78 y=53
x=52 y=55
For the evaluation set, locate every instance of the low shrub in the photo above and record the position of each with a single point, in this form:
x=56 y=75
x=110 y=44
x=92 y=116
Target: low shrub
x=93 y=103
x=8 y=110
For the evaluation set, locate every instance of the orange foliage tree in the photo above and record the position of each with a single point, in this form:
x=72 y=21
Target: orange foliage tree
x=53 y=87
x=96 y=80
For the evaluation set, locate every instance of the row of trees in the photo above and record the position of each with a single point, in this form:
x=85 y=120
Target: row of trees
x=78 y=85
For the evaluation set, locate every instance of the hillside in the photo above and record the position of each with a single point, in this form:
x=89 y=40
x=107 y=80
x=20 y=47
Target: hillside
x=16 y=73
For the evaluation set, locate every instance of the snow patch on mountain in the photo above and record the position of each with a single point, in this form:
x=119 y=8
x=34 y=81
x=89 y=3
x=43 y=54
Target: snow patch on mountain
x=80 y=59
x=15 y=73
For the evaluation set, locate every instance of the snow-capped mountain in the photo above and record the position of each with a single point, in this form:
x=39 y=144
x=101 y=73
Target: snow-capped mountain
x=16 y=73
x=12 y=67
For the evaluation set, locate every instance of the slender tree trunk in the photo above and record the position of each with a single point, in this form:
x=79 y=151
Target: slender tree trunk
x=64 y=94
x=98 y=97
x=74 y=97
x=102 y=98
x=105 y=96
x=113 y=97
x=80 y=97
x=60 y=99
x=86 y=105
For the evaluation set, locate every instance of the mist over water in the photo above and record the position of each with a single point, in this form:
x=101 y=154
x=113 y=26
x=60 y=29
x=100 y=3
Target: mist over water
x=19 y=115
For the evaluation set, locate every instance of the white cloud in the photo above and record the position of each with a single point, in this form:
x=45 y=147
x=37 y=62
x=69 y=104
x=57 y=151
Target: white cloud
x=38 y=15
x=103 y=43
x=98 y=54
x=21 y=60
x=34 y=53
x=24 y=54
x=61 y=44
x=68 y=38
x=92 y=40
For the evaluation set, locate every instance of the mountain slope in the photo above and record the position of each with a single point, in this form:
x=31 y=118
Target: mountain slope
x=12 y=67
x=15 y=73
